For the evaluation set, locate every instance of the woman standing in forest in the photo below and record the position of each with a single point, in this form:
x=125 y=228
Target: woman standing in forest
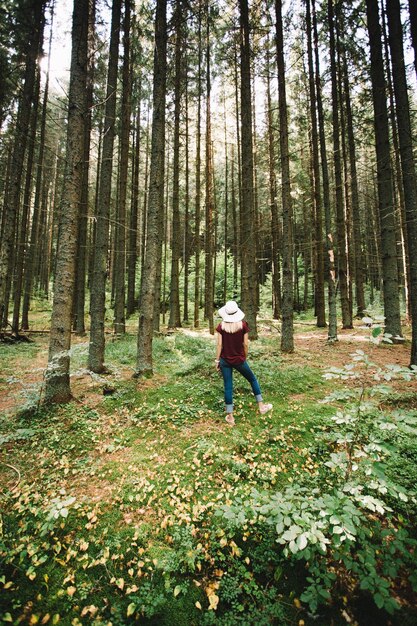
x=232 y=351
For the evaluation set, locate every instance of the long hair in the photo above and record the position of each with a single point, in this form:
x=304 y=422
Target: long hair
x=232 y=327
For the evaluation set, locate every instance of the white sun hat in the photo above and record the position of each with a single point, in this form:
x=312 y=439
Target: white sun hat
x=230 y=312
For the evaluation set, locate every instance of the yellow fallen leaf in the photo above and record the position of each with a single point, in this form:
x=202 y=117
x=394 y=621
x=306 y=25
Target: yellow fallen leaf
x=198 y=605
x=71 y=591
x=213 y=601
x=131 y=609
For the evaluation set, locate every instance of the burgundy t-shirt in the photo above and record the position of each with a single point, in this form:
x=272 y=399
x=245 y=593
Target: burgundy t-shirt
x=232 y=344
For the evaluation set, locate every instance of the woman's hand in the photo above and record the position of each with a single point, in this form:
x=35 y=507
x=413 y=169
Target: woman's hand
x=217 y=363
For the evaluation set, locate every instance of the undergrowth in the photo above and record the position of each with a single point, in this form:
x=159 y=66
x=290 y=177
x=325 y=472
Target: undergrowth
x=146 y=507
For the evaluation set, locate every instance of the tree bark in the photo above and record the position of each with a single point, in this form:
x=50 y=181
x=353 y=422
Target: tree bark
x=354 y=193
x=384 y=174
x=57 y=378
x=331 y=279
x=287 y=336
x=82 y=243
x=209 y=195
x=337 y=161
x=197 y=211
x=99 y=273
x=149 y=287
x=120 y=256
x=12 y=200
x=248 y=239
x=21 y=252
x=317 y=199
x=406 y=153
x=273 y=202
x=174 y=294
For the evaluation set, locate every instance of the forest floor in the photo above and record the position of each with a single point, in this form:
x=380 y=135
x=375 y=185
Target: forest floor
x=113 y=503
x=20 y=376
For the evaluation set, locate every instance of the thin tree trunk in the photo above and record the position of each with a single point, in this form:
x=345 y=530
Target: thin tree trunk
x=99 y=274
x=132 y=255
x=197 y=218
x=187 y=228
x=209 y=199
x=226 y=203
x=22 y=237
x=235 y=222
x=174 y=294
x=406 y=153
x=384 y=174
x=82 y=248
x=238 y=221
x=12 y=200
x=337 y=161
x=331 y=279
x=399 y=201
x=120 y=257
x=287 y=336
x=273 y=202
x=319 y=300
x=149 y=287
x=354 y=192
x=248 y=235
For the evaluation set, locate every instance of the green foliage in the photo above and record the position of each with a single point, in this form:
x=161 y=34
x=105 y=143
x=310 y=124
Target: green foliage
x=344 y=529
x=149 y=509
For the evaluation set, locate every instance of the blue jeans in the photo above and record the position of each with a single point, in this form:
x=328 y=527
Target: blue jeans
x=244 y=369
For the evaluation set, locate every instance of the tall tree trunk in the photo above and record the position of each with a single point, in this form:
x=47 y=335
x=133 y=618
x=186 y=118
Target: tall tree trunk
x=331 y=279
x=406 y=153
x=273 y=196
x=155 y=199
x=226 y=203
x=12 y=200
x=354 y=192
x=337 y=161
x=384 y=174
x=82 y=243
x=287 y=336
x=132 y=255
x=57 y=379
x=209 y=199
x=34 y=231
x=187 y=227
x=248 y=239
x=237 y=214
x=197 y=214
x=235 y=221
x=24 y=219
x=99 y=273
x=319 y=300
x=399 y=201
x=120 y=257
x=174 y=294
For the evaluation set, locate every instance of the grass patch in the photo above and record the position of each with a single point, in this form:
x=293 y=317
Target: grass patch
x=116 y=512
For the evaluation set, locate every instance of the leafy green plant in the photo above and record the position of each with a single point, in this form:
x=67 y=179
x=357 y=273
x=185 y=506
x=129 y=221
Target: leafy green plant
x=344 y=529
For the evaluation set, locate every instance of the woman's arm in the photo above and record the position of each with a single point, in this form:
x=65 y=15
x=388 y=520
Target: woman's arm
x=246 y=344
x=218 y=349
